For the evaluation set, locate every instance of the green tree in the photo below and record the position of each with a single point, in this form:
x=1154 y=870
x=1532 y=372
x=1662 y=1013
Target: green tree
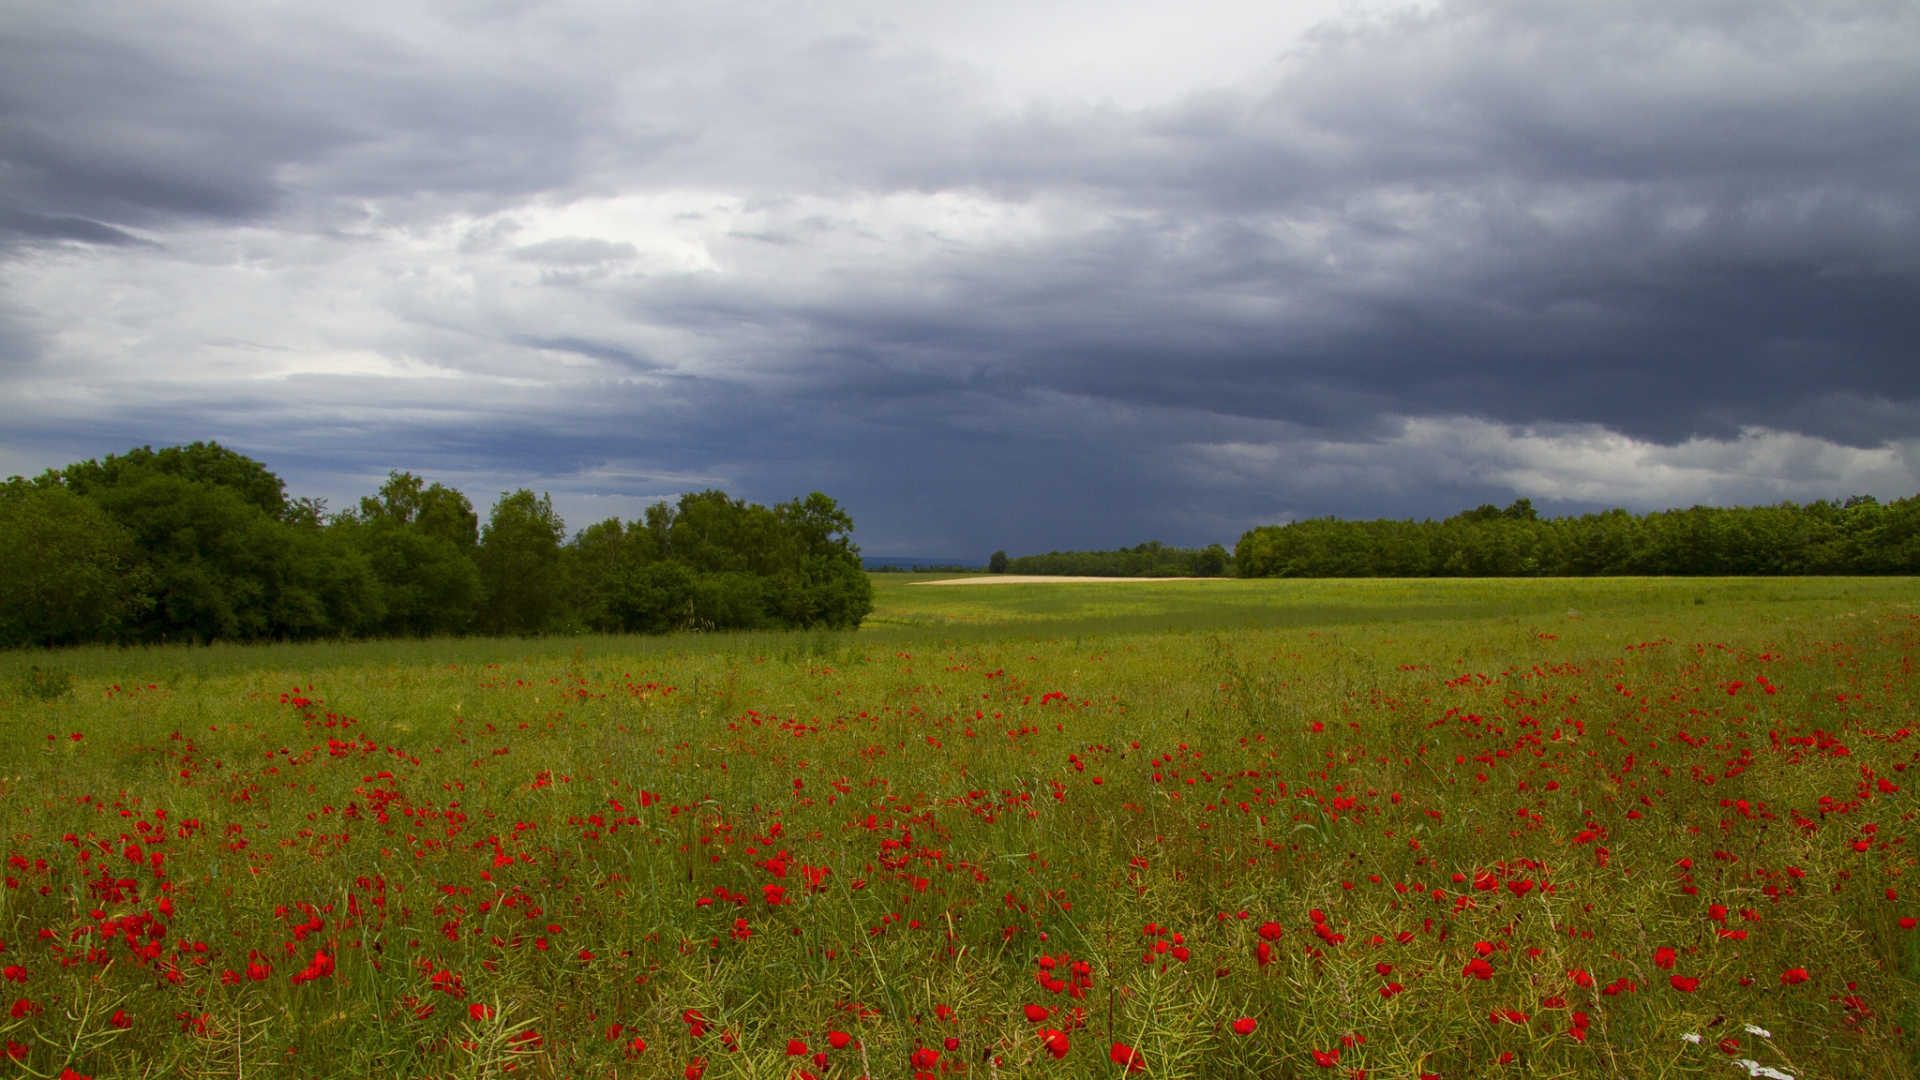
x=834 y=589
x=213 y=555
x=650 y=598
x=420 y=541
x=519 y=561
x=223 y=552
x=997 y=563
x=427 y=585
x=331 y=588
x=436 y=510
x=1211 y=562
x=71 y=573
x=201 y=462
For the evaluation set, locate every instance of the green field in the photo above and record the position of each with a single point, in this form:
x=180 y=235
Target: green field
x=1221 y=828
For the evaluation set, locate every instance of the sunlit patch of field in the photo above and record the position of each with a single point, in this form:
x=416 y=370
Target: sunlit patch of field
x=1220 y=828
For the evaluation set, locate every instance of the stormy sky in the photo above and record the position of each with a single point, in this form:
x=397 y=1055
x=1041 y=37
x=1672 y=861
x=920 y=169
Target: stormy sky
x=1017 y=275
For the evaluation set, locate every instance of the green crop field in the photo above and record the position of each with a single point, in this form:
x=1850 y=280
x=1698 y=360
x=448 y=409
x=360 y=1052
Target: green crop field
x=1462 y=828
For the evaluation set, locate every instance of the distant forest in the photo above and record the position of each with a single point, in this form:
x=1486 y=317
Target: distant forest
x=199 y=543
x=1151 y=559
x=1856 y=536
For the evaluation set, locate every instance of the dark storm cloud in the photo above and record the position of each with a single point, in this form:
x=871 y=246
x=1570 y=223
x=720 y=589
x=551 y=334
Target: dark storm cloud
x=1415 y=262
x=155 y=114
x=1646 y=222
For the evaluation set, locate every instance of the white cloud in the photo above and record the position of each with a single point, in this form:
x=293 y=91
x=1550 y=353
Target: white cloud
x=1582 y=465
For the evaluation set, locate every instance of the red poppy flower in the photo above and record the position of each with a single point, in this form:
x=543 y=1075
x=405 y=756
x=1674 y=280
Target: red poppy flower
x=838 y=1039
x=1245 y=1025
x=1794 y=975
x=696 y=1023
x=1327 y=1059
x=1684 y=983
x=1035 y=1013
x=1122 y=1054
x=1055 y=1042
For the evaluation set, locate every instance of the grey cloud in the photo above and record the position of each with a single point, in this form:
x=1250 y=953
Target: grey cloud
x=595 y=350
x=34 y=228
x=1662 y=221
x=575 y=251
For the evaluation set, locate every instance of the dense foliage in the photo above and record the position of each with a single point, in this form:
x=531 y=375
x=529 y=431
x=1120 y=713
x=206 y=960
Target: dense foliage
x=199 y=543
x=1857 y=536
x=1151 y=559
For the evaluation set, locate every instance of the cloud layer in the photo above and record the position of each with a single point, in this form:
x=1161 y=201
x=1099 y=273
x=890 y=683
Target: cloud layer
x=1040 y=277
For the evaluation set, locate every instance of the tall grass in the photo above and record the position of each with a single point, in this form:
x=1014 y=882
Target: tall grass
x=1101 y=801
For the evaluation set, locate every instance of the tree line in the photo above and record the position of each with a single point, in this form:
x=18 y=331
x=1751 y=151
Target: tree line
x=199 y=543
x=1151 y=559
x=1858 y=535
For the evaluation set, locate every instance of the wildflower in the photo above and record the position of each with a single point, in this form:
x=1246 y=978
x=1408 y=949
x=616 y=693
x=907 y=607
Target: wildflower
x=1055 y=1042
x=1122 y=1054
x=1684 y=983
x=1327 y=1059
x=1245 y=1025
x=696 y=1023
x=320 y=966
x=1794 y=975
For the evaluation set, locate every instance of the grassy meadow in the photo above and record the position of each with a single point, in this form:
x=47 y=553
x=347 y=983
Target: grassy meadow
x=1457 y=828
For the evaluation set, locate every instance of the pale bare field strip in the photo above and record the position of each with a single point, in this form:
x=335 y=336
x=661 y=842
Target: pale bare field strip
x=1036 y=579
